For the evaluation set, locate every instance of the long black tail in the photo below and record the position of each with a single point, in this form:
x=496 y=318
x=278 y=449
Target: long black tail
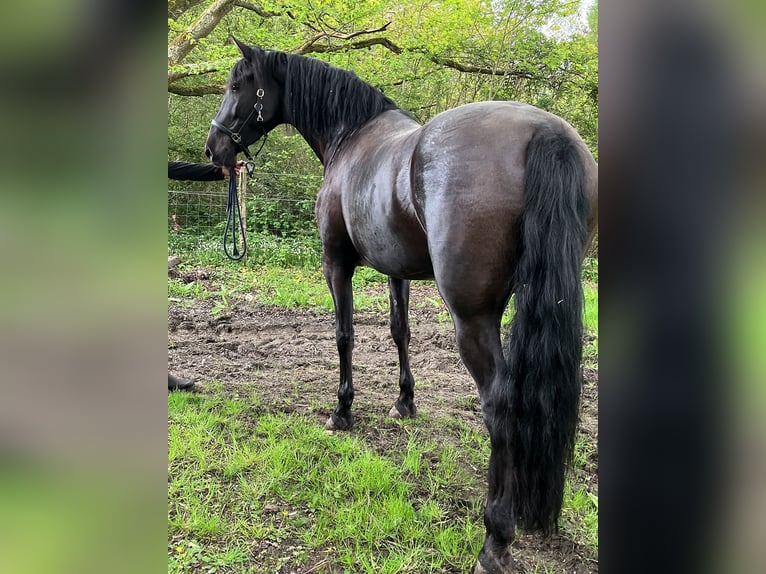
x=546 y=334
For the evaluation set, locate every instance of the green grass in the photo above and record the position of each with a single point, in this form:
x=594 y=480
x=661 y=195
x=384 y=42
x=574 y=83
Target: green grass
x=238 y=477
x=262 y=249
x=302 y=287
x=590 y=310
x=246 y=485
x=590 y=269
x=269 y=281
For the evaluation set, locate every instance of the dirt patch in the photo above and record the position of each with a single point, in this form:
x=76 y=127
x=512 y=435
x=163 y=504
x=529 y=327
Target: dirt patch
x=286 y=352
x=288 y=358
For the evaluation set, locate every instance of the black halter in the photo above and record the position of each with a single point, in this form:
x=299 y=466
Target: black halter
x=237 y=138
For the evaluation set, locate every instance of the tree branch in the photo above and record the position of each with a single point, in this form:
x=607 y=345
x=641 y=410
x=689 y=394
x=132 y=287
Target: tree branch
x=178 y=7
x=484 y=70
x=184 y=42
x=409 y=79
x=311 y=47
x=186 y=70
x=306 y=47
x=196 y=90
x=263 y=13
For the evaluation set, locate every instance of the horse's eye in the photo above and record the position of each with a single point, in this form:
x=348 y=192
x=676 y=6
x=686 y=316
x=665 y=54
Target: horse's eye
x=234 y=87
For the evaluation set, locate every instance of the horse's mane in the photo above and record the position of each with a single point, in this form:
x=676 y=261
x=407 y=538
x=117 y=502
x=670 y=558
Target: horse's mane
x=327 y=101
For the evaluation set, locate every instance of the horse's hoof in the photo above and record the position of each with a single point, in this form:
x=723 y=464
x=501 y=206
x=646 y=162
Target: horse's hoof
x=479 y=569
x=334 y=423
x=490 y=563
x=395 y=413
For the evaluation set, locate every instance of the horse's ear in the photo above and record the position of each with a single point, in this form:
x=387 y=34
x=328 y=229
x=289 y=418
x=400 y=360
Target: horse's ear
x=248 y=53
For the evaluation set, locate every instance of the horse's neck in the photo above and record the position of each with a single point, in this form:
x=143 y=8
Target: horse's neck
x=318 y=146
x=324 y=148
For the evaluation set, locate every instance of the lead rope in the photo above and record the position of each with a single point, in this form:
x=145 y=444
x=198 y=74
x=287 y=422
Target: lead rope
x=234 y=217
x=232 y=203
x=233 y=214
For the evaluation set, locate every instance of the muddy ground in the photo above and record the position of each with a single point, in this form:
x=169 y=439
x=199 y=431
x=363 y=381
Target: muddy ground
x=289 y=356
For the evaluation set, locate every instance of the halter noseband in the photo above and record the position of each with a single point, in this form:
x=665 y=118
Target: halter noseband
x=235 y=135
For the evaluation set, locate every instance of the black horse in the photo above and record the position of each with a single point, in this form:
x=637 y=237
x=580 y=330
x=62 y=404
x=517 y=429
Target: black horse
x=490 y=199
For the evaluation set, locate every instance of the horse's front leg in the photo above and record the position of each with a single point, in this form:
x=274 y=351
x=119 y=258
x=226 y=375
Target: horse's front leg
x=338 y=277
x=399 y=296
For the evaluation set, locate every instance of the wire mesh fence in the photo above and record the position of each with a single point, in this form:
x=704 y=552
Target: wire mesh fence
x=279 y=215
x=277 y=203
x=195 y=212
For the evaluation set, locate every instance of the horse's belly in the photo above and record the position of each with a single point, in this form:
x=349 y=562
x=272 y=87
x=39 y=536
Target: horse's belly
x=396 y=254
x=403 y=270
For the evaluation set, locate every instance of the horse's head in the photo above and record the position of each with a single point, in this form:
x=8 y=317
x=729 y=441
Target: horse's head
x=252 y=104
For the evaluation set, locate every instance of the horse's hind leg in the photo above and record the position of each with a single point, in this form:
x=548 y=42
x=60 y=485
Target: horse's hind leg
x=399 y=296
x=478 y=340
